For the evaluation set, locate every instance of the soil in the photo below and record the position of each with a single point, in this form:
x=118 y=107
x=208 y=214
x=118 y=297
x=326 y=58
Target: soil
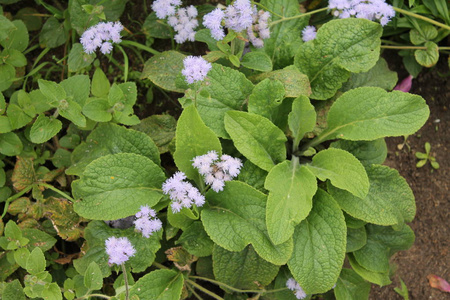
x=430 y=252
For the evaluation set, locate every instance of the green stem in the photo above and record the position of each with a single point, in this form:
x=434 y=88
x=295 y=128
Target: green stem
x=48 y=186
x=194 y=292
x=125 y=58
x=235 y=289
x=36 y=61
x=159 y=266
x=317 y=140
x=283 y=19
x=417 y=16
x=93 y=295
x=30 y=49
x=206 y=291
x=12 y=198
x=265 y=8
x=125 y=278
x=412 y=47
x=140 y=46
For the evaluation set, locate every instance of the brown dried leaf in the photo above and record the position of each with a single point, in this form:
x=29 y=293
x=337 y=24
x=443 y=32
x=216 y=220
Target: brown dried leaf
x=181 y=258
x=64 y=219
x=23 y=174
x=438 y=283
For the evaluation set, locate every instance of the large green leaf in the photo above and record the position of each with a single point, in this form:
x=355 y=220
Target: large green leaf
x=319 y=246
x=266 y=97
x=381 y=279
x=236 y=218
x=77 y=88
x=368 y=152
x=18 y=38
x=350 y=286
x=115 y=186
x=356 y=238
x=256 y=138
x=242 y=270
x=341 y=47
x=369 y=113
x=285 y=37
x=382 y=242
x=291 y=190
x=13 y=291
x=195 y=240
x=159 y=285
x=52 y=34
x=390 y=200
x=342 y=169
x=78 y=59
x=302 y=118
x=161 y=128
x=193 y=138
x=111 y=139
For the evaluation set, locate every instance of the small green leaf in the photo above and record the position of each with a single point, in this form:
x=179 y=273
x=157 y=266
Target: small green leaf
x=14 y=57
x=107 y=181
x=323 y=229
x=7 y=74
x=36 y=262
x=97 y=109
x=13 y=291
x=52 y=34
x=301 y=119
x=100 y=84
x=6 y=27
x=53 y=91
x=381 y=279
x=256 y=138
x=77 y=88
x=421 y=155
x=21 y=257
x=44 y=128
x=258 y=61
x=10 y=144
x=350 y=286
x=266 y=97
x=421 y=163
x=428 y=57
x=52 y=292
x=427 y=33
x=71 y=110
x=93 y=278
x=38 y=239
x=356 y=239
x=78 y=59
x=18 y=38
x=159 y=285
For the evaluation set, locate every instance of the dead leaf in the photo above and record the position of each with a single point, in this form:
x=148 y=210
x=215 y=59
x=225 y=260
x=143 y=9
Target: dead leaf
x=23 y=174
x=438 y=283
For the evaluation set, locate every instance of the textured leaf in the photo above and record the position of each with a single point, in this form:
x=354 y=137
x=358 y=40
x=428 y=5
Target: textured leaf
x=18 y=38
x=193 y=138
x=258 y=61
x=13 y=291
x=368 y=152
x=162 y=69
x=390 y=200
x=97 y=109
x=38 y=239
x=195 y=240
x=266 y=97
x=93 y=278
x=77 y=88
x=64 y=219
x=428 y=57
x=44 y=128
x=36 y=262
x=52 y=34
x=228 y=224
x=17 y=116
x=109 y=180
x=342 y=169
x=161 y=129
x=156 y=28
x=53 y=91
x=381 y=279
x=111 y=139
x=382 y=242
x=291 y=190
x=23 y=174
x=14 y=57
x=10 y=144
x=285 y=37
x=341 y=47
x=100 y=84
x=7 y=74
x=253 y=175
x=302 y=118
x=350 y=286
x=380 y=114
x=256 y=138
x=159 y=285
x=356 y=239
x=242 y=270
x=78 y=59
x=317 y=270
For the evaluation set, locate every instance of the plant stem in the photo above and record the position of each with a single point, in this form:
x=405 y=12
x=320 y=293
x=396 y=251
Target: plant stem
x=93 y=295
x=48 y=186
x=12 y=198
x=206 y=291
x=265 y=8
x=194 y=292
x=125 y=58
x=159 y=266
x=298 y=16
x=125 y=278
x=417 y=16
x=412 y=47
x=140 y=46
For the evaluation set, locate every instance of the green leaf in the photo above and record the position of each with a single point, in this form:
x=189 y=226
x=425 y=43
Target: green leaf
x=21 y=256
x=162 y=69
x=378 y=76
x=6 y=27
x=356 y=239
x=342 y=169
x=258 y=61
x=93 y=278
x=29 y=16
x=38 y=239
x=53 y=91
x=256 y=138
x=52 y=34
x=7 y=74
x=156 y=28
x=100 y=84
x=111 y=139
x=266 y=97
x=368 y=152
x=78 y=59
x=224 y=89
x=317 y=270
x=160 y=128
x=40 y=102
x=253 y=175
x=381 y=114
x=291 y=190
x=236 y=218
x=77 y=88
x=390 y=200
x=10 y=144
x=381 y=279
x=97 y=109
x=44 y=128
x=350 y=286
x=242 y=270
x=12 y=231
x=13 y=291
x=341 y=47
x=14 y=57
x=159 y=285
x=195 y=240
x=428 y=57
x=427 y=33
x=36 y=262
x=18 y=38
x=52 y=292
x=17 y=116
x=71 y=110
x=193 y=138
x=302 y=118
x=382 y=242
x=108 y=180
x=285 y=37
x=295 y=83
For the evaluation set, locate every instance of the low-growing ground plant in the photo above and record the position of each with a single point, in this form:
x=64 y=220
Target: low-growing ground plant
x=269 y=185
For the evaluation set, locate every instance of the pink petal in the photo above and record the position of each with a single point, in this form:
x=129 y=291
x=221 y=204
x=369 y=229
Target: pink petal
x=439 y=283
x=405 y=85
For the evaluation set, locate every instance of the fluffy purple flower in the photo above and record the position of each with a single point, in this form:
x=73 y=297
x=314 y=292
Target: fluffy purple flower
x=195 y=69
x=366 y=9
x=146 y=221
x=308 y=33
x=119 y=250
x=213 y=21
x=165 y=8
x=260 y=29
x=101 y=36
x=296 y=288
x=184 y=22
x=238 y=16
x=182 y=193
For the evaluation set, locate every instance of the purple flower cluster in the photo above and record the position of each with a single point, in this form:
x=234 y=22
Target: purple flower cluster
x=365 y=9
x=308 y=33
x=119 y=250
x=195 y=69
x=184 y=23
x=296 y=288
x=146 y=221
x=239 y=16
x=165 y=8
x=182 y=193
x=101 y=36
x=217 y=172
